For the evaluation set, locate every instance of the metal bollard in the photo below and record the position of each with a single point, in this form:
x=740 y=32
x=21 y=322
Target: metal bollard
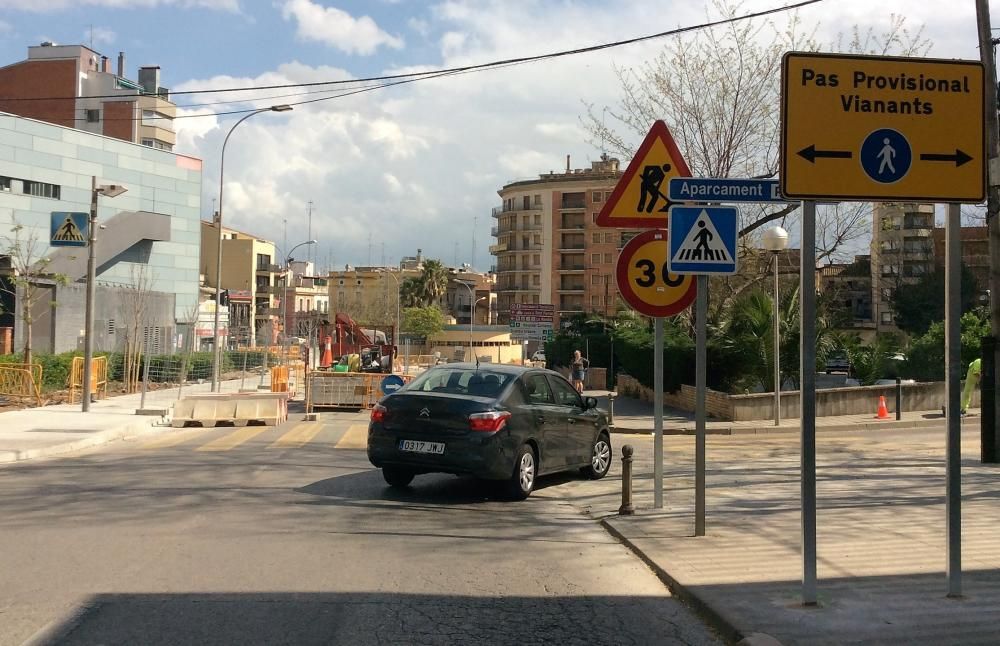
x=611 y=408
x=627 y=509
x=899 y=399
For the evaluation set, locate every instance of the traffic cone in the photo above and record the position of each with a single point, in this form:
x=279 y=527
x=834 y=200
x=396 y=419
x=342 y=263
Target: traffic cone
x=883 y=412
x=327 y=359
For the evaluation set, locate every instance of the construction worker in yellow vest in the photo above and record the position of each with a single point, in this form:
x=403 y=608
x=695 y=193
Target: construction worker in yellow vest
x=971 y=381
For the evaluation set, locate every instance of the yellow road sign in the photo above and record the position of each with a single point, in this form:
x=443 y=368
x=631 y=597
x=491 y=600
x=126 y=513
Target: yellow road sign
x=640 y=196
x=644 y=281
x=882 y=128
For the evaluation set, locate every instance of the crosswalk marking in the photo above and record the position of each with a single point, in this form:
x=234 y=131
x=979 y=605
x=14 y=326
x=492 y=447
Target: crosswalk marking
x=234 y=439
x=172 y=438
x=356 y=437
x=300 y=434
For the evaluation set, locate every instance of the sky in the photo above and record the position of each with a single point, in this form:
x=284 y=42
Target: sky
x=416 y=165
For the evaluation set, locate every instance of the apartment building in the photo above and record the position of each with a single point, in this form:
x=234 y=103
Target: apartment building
x=548 y=248
x=848 y=290
x=74 y=86
x=975 y=252
x=902 y=252
x=306 y=299
x=252 y=278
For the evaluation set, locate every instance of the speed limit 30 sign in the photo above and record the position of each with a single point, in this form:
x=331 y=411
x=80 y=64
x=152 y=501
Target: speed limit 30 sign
x=644 y=281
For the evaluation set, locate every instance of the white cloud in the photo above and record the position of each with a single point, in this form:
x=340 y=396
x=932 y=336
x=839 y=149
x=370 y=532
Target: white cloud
x=419 y=25
x=337 y=28
x=99 y=35
x=5 y=27
x=418 y=165
x=59 y=5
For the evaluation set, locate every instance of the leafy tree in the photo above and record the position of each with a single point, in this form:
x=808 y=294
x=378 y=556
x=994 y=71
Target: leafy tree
x=925 y=354
x=29 y=268
x=871 y=362
x=423 y=322
x=919 y=305
x=410 y=292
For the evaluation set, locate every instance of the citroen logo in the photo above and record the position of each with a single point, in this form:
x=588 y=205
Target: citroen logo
x=425 y=412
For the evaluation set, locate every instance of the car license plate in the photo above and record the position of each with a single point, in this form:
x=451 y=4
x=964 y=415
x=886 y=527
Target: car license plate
x=416 y=446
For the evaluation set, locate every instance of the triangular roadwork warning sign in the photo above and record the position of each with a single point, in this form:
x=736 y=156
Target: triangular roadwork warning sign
x=703 y=244
x=640 y=197
x=68 y=231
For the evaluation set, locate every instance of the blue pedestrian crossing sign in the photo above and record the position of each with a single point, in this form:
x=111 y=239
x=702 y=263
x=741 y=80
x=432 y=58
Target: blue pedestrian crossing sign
x=69 y=229
x=702 y=240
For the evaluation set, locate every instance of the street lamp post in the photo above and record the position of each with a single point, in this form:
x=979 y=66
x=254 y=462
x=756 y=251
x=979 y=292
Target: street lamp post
x=216 y=346
x=107 y=190
x=395 y=337
x=775 y=241
x=284 y=318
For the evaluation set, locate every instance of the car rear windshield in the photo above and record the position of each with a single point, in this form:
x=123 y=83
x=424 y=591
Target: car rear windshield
x=460 y=381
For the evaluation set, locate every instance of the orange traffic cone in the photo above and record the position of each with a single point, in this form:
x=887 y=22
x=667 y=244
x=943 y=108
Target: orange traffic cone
x=883 y=412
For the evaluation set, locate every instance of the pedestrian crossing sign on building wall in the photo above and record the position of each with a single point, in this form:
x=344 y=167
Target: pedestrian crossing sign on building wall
x=69 y=229
x=702 y=239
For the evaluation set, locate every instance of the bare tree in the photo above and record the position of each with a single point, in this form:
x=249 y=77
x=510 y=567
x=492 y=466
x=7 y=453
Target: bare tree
x=28 y=277
x=719 y=91
x=135 y=299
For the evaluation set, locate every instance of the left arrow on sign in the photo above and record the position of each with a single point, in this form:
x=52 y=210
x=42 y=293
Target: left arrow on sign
x=810 y=154
x=959 y=157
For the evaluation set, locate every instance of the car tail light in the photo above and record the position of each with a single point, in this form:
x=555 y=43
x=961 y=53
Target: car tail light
x=490 y=422
x=378 y=413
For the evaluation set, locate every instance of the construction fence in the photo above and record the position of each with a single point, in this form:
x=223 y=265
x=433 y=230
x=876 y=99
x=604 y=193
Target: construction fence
x=22 y=381
x=357 y=390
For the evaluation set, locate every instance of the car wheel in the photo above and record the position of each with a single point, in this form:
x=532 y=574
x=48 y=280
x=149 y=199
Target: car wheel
x=397 y=478
x=522 y=480
x=600 y=458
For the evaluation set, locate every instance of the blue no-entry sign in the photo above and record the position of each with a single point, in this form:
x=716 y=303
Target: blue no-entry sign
x=702 y=239
x=391 y=383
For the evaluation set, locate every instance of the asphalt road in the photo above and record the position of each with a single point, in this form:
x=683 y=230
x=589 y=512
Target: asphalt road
x=287 y=535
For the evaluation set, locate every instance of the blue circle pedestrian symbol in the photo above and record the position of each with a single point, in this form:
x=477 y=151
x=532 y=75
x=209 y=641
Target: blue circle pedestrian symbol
x=886 y=156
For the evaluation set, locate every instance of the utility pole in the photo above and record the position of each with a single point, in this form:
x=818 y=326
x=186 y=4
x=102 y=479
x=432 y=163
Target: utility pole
x=990 y=357
x=310 y=236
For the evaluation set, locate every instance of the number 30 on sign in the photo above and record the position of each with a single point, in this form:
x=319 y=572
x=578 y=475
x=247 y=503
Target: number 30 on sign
x=644 y=281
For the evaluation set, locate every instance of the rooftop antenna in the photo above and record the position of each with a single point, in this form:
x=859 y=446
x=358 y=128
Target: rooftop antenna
x=369 y=248
x=309 y=247
x=472 y=260
x=91 y=36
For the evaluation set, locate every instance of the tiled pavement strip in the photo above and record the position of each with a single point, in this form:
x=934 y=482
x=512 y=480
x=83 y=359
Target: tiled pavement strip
x=881 y=534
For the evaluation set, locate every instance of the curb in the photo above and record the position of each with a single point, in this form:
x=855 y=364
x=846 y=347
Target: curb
x=59 y=629
x=131 y=429
x=888 y=425
x=726 y=629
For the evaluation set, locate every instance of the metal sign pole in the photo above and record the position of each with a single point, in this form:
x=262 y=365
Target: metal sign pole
x=952 y=345
x=807 y=398
x=658 y=412
x=700 y=373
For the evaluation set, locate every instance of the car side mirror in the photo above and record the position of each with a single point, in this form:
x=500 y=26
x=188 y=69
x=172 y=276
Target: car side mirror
x=589 y=402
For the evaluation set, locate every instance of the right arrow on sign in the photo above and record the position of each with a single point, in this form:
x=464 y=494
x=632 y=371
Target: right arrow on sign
x=958 y=157
x=811 y=154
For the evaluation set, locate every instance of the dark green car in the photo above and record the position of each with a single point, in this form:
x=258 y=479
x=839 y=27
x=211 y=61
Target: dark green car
x=490 y=421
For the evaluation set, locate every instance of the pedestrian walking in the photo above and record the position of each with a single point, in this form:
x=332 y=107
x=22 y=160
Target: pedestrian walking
x=578 y=367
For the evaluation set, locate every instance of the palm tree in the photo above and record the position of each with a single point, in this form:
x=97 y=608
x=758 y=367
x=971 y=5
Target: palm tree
x=433 y=281
x=411 y=292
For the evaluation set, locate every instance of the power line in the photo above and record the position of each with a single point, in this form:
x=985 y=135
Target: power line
x=409 y=77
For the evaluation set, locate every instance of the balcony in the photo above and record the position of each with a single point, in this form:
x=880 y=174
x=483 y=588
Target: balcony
x=266 y=289
x=498 y=248
x=572 y=267
x=572 y=246
x=268 y=269
x=572 y=289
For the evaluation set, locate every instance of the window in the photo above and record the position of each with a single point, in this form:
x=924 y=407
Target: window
x=536 y=389
x=598 y=196
x=526 y=203
x=341 y=281
x=890 y=270
x=596 y=279
x=565 y=394
x=538 y=219
x=607 y=258
x=263 y=261
x=41 y=189
x=596 y=238
x=5 y=184
x=595 y=301
x=538 y=202
x=595 y=258
x=887 y=317
x=536 y=280
x=536 y=260
x=609 y=237
x=147 y=142
x=93 y=116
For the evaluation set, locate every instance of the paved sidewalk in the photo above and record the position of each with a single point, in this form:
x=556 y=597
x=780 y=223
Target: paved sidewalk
x=53 y=430
x=881 y=536
x=635 y=416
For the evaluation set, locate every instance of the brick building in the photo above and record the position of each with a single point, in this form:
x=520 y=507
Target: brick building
x=74 y=86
